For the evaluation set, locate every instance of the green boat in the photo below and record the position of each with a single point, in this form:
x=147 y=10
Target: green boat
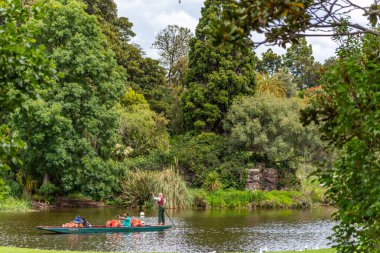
x=102 y=229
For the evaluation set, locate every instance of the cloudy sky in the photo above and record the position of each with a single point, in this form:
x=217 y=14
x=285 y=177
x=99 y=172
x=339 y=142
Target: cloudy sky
x=151 y=16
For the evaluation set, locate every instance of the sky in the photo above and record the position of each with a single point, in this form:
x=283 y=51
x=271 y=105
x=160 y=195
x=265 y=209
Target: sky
x=151 y=16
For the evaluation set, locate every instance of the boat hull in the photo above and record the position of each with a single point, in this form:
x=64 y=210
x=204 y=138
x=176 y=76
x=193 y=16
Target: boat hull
x=101 y=229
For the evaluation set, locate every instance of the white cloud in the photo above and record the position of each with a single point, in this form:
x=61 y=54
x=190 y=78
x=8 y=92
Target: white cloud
x=180 y=18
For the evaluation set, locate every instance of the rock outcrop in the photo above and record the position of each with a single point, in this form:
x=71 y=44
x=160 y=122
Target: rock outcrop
x=262 y=178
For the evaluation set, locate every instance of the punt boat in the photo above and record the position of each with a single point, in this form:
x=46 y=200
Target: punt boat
x=102 y=229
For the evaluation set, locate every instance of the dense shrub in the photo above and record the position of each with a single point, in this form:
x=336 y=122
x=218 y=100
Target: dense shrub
x=201 y=154
x=198 y=155
x=233 y=174
x=155 y=160
x=96 y=178
x=212 y=181
x=47 y=192
x=141 y=129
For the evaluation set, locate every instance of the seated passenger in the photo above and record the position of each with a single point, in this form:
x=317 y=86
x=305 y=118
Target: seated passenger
x=85 y=223
x=126 y=221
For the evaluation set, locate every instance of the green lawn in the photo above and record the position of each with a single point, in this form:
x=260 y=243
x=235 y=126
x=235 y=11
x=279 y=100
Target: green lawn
x=25 y=250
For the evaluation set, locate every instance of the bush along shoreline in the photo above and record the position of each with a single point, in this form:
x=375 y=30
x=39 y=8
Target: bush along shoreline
x=138 y=186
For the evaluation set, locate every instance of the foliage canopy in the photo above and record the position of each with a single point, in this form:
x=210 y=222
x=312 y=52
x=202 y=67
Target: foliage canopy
x=348 y=112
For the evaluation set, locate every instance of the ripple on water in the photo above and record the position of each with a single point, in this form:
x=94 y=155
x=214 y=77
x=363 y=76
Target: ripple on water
x=198 y=231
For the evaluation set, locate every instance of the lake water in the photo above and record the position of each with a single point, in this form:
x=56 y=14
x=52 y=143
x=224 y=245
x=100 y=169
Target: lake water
x=197 y=231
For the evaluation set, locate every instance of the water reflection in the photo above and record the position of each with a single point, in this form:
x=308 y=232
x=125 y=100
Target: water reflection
x=197 y=231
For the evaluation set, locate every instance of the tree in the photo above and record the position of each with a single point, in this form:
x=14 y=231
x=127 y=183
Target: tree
x=287 y=80
x=270 y=128
x=215 y=76
x=347 y=111
x=24 y=68
x=285 y=21
x=77 y=117
x=270 y=62
x=180 y=70
x=300 y=62
x=172 y=44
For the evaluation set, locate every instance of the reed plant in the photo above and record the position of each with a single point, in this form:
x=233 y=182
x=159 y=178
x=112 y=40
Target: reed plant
x=11 y=204
x=139 y=184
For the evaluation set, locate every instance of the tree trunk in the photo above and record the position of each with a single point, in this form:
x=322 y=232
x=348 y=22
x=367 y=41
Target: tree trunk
x=46 y=179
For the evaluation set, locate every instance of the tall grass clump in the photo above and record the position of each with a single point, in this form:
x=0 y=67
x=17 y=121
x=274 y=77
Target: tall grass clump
x=11 y=204
x=138 y=185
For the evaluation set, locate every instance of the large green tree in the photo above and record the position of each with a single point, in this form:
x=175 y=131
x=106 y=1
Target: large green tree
x=24 y=68
x=72 y=130
x=348 y=112
x=215 y=76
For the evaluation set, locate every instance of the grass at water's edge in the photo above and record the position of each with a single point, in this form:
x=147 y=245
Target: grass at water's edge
x=218 y=199
x=244 y=199
x=14 y=205
x=26 y=250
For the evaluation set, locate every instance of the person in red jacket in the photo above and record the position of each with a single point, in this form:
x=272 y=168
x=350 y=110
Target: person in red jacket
x=161 y=208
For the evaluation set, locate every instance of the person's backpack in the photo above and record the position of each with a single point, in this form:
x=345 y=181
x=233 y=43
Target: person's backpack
x=78 y=219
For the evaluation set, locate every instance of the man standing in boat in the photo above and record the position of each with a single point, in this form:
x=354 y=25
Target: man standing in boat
x=161 y=208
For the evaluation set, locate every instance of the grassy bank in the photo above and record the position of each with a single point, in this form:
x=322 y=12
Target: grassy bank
x=14 y=205
x=208 y=199
x=25 y=250
x=249 y=199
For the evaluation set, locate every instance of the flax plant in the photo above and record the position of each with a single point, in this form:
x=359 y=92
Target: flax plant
x=139 y=185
